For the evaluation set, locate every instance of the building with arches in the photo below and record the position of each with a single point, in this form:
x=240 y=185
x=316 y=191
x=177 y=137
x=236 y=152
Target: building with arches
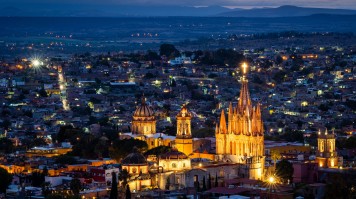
x=184 y=140
x=326 y=155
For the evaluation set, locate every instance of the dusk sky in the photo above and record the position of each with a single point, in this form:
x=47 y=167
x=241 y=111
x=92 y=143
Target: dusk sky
x=347 y=4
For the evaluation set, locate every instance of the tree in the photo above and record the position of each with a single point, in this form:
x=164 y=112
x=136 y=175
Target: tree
x=150 y=55
x=37 y=178
x=5 y=181
x=216 y=180
x=275 y=155
x=284 y=170
x=197 y=186
x=54 y=196
x=75 y=186
x=42 y=93
x=65 y=159
x=6 y=124
x=149 y=75
x=6 y=145
x=279 y=76
x=209 y=182
x=68 y=133
x=46 y=188
x=204 y=184
x=279 y=59
x=124 y=175
x=39 y=142
x=203 y=132
x=113 y=192
x=128 y=192
x=293 y=136
x=121 y=148
x=168 y=50
x=158 y=150
x=341 y=185
x=168 y=183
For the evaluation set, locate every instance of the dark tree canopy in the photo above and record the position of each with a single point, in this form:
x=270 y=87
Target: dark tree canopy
x=65 y=159
x=113 y=192
x=38 y=178
x=341 y=185
x=284 y=170
x=5 y=181
x=6 y=145
x=168 y=50
x=128 y=192
x=204 y=184
x=293 y=136
x=75 y=186
x=124 y=175
x=209 y=182
x=222 y=57
x=121 y=148
x=158 y=150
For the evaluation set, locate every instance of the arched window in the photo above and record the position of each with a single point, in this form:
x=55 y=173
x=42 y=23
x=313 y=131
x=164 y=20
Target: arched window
x=221 y=173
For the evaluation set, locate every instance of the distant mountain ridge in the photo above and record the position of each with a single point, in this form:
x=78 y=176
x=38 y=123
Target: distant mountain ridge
x=161 y=11
x=113 y=11
x=286 y=11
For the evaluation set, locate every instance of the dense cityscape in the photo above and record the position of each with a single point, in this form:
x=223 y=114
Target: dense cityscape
x=267 y=115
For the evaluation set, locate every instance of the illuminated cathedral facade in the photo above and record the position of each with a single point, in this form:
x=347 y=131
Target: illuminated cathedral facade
x=240 y=137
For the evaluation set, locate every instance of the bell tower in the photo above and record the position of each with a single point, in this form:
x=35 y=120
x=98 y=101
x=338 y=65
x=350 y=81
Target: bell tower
x=184 y=140
x=326 y=155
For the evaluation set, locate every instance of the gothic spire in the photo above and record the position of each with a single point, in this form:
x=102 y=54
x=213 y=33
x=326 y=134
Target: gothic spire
x=222 y=122
x=245 y=99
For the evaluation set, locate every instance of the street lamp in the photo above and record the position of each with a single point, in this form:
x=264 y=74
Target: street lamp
x=36 y=63
x=271 y=180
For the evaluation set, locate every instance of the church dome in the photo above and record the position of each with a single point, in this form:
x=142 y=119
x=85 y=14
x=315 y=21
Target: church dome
x=174 y=154
x=144 y=110
x=134 y=158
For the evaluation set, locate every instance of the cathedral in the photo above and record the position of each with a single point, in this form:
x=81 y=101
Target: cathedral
x=240 y=138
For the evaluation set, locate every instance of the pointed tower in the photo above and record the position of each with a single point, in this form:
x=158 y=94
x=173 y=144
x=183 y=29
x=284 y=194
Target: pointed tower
x=184 y=140
x=259 y=124
x=222 y=126
x=244 y=100
x=230 y=127
x=241 y=140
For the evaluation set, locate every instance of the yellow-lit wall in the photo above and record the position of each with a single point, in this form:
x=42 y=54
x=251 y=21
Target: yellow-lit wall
x=184 y=145
x=13 y=168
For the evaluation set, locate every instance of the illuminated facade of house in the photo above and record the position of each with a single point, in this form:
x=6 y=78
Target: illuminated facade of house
x=240 y=139
x=326 y=155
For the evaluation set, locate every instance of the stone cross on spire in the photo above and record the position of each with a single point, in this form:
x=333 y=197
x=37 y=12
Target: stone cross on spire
x=244 y=69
